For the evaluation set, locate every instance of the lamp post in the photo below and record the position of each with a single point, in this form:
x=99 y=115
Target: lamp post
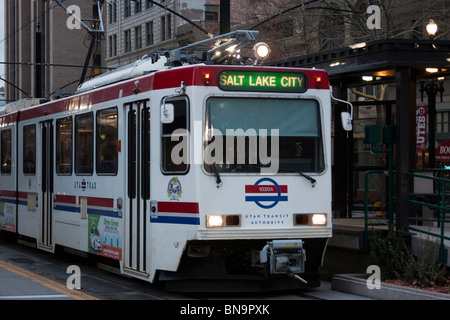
x=431 y=88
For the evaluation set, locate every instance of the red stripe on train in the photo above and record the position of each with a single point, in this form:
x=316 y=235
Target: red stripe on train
x=178 y=207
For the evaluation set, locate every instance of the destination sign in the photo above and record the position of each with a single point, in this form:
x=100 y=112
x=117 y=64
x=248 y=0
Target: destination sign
x=236 y=80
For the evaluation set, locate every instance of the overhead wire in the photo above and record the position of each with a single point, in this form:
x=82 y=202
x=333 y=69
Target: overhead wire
x=51 y=7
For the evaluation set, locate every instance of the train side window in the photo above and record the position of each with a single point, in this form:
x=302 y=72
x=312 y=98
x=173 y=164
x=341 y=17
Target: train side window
x=6 y=152
x=106 y=142
x=84 y=144
x=175 y=138
x=64 y=146
x=29 y=149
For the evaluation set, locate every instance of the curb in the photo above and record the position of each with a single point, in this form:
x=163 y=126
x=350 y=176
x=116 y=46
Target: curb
x=356 y=284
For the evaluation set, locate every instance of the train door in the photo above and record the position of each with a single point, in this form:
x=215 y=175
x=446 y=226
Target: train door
x=137 y=187
x=46 y=158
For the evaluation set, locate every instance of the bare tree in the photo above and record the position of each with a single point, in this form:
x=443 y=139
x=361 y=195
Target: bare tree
x=326 y=24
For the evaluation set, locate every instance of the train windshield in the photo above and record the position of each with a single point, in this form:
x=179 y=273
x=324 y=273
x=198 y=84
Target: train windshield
x=263 y=135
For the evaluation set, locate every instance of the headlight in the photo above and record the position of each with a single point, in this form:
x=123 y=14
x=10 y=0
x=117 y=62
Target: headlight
x=310 y=219
x=261 y=50
x=216 y=220
x=213 y=221
x=319 y=219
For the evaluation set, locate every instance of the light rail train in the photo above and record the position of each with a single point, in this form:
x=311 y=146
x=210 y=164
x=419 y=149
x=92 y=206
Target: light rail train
x=179 y=166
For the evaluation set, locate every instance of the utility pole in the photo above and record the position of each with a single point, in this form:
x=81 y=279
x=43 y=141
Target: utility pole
x=95 y=32
x=225 y=15
x=38 y=74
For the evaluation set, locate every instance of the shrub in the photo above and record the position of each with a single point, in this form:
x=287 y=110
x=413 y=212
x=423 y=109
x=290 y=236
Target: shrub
x=425 y=269
x=389 y=251
x=386 y=251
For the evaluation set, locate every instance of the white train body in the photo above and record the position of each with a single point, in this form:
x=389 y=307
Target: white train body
x=249 y=208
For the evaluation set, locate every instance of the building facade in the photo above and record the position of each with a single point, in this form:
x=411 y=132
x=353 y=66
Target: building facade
x=138 y=27
x=63 y=47
x=2 y=96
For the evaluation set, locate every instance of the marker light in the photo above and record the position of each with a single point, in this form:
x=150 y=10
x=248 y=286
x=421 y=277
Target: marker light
x=261 y=50
x=206 y=79
x=319 y=219
x=318 y=81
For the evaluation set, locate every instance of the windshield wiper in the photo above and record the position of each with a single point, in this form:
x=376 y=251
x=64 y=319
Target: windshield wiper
x=304 y=175
x=311 y=179
x=216 y=172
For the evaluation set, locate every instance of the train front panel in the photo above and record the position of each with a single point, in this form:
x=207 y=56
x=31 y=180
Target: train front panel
x=246 y=178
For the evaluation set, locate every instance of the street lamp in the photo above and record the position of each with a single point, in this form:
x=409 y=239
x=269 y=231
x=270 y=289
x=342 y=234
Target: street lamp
x=432 y=28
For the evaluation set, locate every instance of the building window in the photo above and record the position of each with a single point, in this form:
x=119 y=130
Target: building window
x=113 y=45
x=442 y=125
x=127 y=41
x=29 y=149
x=127 y=8
x=211 y=12
x=166 y=27
x=148 y=4
x=169 y=26
x=64 y=132
x=138 y=37
x=149 y=33
x=84 y=143
x=137 y=6
x=112 y=12
x=163 y=28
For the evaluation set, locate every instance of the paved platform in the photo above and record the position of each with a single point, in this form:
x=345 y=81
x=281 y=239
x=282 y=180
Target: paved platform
x=347 y=260
x=349 y=233
x=356 y=284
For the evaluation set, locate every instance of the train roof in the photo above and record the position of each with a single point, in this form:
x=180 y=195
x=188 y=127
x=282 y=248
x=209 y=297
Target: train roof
x=143 y=66
x=189 y=63
x=223 y=49
x=19 y=105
